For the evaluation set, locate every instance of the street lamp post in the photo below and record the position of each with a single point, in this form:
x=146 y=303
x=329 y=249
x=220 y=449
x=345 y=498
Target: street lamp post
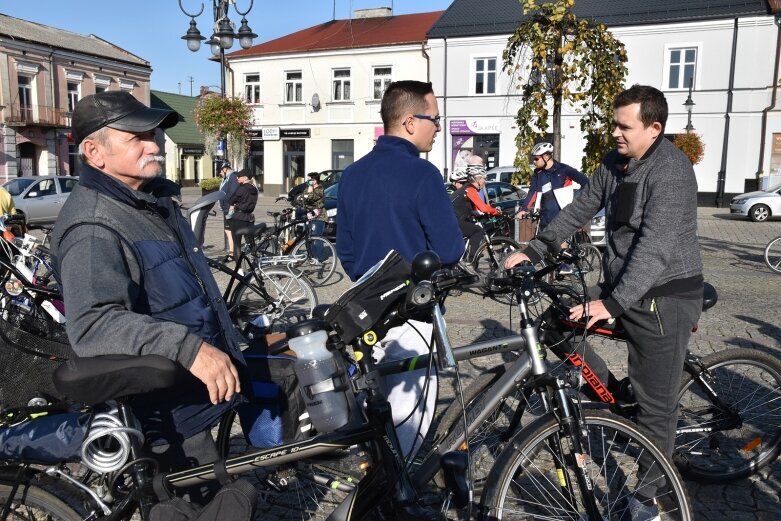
x=222 y=36
x=689 y=105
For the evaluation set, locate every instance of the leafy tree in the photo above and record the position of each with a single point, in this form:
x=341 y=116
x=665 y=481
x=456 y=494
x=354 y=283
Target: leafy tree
x=557 y=58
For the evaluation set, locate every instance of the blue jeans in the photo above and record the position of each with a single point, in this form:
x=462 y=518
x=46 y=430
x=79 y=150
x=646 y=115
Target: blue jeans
x=316 y=229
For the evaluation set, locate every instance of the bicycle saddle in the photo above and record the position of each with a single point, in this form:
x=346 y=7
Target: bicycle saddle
x=252 y=230
x=709 y=297
x=93 y=380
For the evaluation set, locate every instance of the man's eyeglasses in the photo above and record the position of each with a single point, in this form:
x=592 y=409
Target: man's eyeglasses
x=434 y=119
x=536 y=157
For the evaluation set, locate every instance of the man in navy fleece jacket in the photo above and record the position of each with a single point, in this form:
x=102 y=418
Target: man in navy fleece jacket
x=392 y=198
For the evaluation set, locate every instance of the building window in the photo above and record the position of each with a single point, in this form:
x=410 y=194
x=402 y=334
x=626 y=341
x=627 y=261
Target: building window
x=341 y=90
x=485 y=76
x=294 y=87
x=102 y=83
x=73 y=95
x=342 y=153
x=252 y=88
x=25 y=97
x=73 y=158
x=380 y=81
x=683 y=66
x=126 y=86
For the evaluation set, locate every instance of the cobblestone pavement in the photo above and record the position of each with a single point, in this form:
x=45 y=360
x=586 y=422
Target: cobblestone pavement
x=747 y=315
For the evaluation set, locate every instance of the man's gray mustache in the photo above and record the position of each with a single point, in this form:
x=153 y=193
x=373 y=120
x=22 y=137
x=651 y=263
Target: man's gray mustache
x=151 y=159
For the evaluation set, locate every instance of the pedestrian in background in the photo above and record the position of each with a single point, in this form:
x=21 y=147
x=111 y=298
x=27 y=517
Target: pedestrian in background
x=228 y=186
x=241 y=210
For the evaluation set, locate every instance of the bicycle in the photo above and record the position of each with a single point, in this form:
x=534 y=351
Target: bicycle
x=596 y=451
x=773 y=255
x=729 y=426
x=256 y=286
x=293 y=236
x=480 y=409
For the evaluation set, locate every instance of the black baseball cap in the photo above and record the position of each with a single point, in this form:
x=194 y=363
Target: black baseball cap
x=244 y=172
x=118 y=110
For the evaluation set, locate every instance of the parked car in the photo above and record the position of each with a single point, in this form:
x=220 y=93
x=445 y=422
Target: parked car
x=330 y=177
x=598 y=236
x=758 y=206
x=504 y=196
x=40 y=198
x=330 y=208
x=500 y=173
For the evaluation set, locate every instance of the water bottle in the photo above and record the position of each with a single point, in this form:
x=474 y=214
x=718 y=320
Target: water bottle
x=320 y=378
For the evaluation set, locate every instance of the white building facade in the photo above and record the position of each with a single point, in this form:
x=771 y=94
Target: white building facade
x=318 y=109
x=729 y=57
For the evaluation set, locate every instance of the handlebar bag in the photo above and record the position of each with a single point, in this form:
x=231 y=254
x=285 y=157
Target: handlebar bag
x=367 y=301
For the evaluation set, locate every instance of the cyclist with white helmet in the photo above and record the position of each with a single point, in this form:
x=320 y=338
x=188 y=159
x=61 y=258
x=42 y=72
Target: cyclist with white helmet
x=457 y=180
x=467 y=202
x=549 y=175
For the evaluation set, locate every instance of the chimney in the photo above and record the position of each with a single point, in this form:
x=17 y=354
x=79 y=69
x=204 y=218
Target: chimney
x=204 y=90
x=374 y=12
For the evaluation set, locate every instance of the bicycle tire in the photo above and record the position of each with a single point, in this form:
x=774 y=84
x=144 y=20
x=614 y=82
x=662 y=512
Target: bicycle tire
x=487 y=442
x=773 y=255
x=749 y=381
x=40 y=502
x=591 y=266
x=293 y=487
x=501 y=247
x=527 y=474
x=318 y=274
x=290 y=299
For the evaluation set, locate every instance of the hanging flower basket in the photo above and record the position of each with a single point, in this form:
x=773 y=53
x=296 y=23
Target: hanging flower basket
x=224 y=118
x=691 y=145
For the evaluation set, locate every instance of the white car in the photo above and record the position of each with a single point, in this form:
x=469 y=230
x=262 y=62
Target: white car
x=758 y=206
x=598 y=236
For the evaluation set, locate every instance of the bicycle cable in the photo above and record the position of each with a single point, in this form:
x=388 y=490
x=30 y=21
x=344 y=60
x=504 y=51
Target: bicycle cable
x=98 y=453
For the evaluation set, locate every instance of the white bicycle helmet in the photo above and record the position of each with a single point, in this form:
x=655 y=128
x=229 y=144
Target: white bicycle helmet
x=458 y=176
x=542 y=148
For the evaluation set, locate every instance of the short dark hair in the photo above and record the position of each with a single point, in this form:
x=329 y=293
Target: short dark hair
x=653 y=104
x=403 y=96
x=314 y=175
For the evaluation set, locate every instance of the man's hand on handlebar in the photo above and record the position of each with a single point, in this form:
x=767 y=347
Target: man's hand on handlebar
x=215 y=369
x=514 y=259
x=595 y=309
x=521 y=214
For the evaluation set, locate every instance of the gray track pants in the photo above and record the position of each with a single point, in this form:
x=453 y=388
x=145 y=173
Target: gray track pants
x=658 y=331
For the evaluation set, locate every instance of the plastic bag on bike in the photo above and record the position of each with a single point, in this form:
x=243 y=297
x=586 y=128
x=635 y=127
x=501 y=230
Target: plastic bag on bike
x=44 y=437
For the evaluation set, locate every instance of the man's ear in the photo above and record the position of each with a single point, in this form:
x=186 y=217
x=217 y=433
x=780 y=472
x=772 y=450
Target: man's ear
x=657 y=128
x=93 y=153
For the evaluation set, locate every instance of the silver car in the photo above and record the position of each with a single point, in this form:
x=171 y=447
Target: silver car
x=40 y=198
x=597 y=232
x=758 y=206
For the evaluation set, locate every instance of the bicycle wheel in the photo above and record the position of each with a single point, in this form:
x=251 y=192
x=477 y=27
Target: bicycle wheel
x=741 y=432
x=491 y=254
x=773 y=255
x=590 y=266
x=35 y=503
x=532 y=479
x=488 y=441
x=302 y=491
x=289 y=299
x=320 y=260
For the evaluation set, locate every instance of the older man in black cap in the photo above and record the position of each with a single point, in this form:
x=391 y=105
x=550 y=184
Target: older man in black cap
x=134 y=278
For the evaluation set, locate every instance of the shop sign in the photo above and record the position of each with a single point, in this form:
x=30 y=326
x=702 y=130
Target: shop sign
x=270 y=133
x=192 y=150
x=295 y=132
x=474 y=126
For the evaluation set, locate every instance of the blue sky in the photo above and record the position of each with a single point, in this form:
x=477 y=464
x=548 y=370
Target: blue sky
x=152 y=29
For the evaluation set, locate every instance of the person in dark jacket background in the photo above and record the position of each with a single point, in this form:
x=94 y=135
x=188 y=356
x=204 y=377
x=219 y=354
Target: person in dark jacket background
x=241 y=208
x=228 y=186
x=136 y=282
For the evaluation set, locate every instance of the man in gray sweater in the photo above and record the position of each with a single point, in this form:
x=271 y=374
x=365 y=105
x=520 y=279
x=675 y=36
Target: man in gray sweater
x=653 y=270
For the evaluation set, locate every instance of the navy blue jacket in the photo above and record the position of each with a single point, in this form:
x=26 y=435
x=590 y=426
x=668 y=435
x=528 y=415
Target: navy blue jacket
x=136 y=282
x=393 y=199
x=559 y=175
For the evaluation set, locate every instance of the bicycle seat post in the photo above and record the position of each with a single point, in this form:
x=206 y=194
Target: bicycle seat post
x=139 y=474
